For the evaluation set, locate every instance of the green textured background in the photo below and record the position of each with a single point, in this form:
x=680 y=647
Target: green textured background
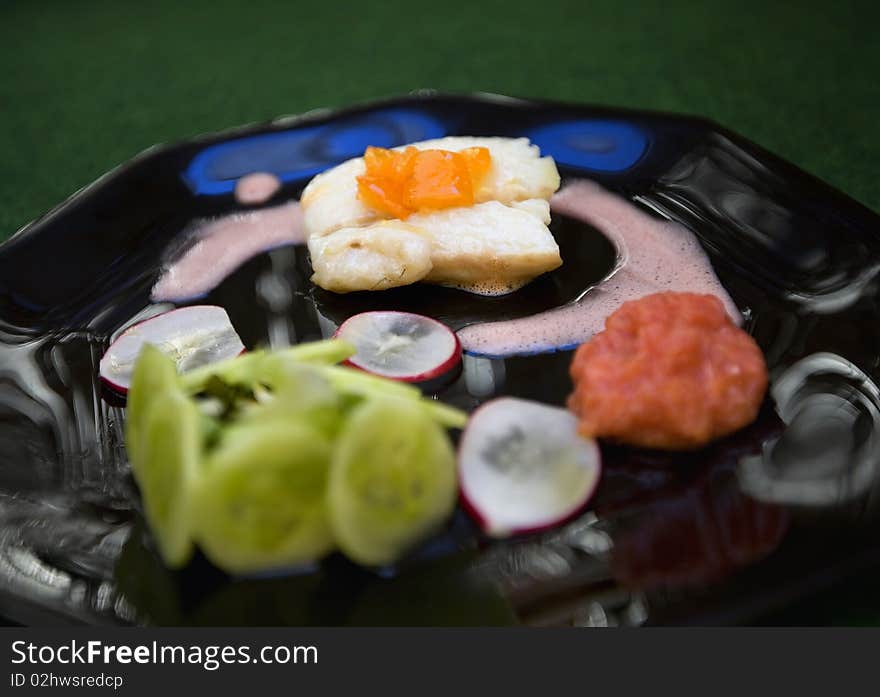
x=86 y=85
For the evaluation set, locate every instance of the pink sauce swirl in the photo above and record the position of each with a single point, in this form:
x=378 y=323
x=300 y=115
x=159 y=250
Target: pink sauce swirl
x=654 y=256
x=225 y=244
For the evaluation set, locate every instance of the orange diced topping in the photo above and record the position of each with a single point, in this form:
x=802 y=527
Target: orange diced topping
x=400 y=183
x=440 y=179
x=478 y=161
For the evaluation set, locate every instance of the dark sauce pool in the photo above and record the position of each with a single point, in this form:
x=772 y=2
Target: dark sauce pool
x=711 y=536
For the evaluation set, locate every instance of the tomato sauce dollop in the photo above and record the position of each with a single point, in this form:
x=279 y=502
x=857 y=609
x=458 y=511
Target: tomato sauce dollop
x=670 y=371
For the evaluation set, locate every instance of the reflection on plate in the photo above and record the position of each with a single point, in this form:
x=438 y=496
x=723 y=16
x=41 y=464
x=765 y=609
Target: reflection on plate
x=710 y=536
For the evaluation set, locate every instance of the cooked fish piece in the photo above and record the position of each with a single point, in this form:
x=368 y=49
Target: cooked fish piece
x=538 y=207
x=518 y=172
x=330 y=200
x=383 y=255
x=489 y=246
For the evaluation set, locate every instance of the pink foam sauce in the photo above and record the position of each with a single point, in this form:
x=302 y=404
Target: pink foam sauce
x=653 y=256
x=224 y=244
x=256 y=188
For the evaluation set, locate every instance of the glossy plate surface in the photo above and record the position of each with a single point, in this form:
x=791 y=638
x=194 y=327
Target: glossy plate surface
x=750 y=523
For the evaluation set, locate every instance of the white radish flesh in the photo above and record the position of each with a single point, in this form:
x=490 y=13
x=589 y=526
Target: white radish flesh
x=191 y=336
x=523 y=467
x=401 y=345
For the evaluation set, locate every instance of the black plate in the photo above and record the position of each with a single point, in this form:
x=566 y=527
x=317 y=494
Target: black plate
x=750 y=523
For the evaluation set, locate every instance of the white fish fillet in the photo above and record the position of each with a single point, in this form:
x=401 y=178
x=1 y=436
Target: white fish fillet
x=330 y=201
x=496 y=245
x=518 y=172
x=489 y=244
x=383 y=255
x=538 y=207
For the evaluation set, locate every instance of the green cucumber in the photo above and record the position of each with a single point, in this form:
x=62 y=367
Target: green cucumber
x=260 y=503
x=248 y=368
x=167 y=469
x=392 y=481
x=154 y=372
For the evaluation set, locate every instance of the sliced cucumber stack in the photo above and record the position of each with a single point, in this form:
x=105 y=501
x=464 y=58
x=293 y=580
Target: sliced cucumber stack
x=274 y=459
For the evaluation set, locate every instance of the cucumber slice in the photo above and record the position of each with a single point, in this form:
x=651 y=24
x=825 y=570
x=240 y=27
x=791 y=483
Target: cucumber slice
x=248 y=368
x=154 y=372
x=326 y=352
x=351 y=381
x=298 y=392
x=240 y=370
x=392 y=481
x=357 y=382
x=299 y=381
x=260 y=503
x=167 y=468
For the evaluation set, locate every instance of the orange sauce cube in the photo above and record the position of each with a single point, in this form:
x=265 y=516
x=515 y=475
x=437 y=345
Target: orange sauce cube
x=399 y=183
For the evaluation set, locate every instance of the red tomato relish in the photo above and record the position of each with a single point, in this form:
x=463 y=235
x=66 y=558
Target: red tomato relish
x=670 y=371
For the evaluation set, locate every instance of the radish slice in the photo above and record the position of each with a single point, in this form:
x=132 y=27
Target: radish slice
x=192 y=336
x=523 y=466
x=401 y=345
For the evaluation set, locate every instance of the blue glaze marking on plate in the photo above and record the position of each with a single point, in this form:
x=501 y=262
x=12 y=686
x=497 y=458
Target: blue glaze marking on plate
x=522 y=354
x=304 y=152
x=599 y=146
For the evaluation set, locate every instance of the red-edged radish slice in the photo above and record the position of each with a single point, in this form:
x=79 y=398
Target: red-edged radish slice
x=401 y=345
x=523 y=466
x=192 y=336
